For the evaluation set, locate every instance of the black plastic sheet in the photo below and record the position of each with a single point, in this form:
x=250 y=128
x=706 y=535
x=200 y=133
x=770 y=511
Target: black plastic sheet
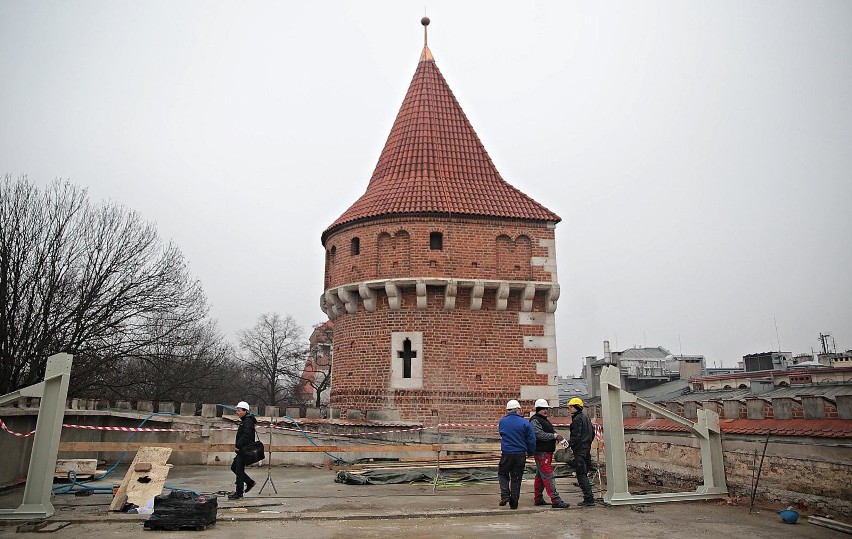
x=182 y=509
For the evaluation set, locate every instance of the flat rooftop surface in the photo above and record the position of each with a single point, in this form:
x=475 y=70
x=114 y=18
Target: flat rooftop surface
x=308 y=503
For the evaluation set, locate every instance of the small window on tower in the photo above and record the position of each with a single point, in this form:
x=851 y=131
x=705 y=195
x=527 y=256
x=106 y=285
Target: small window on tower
x=436 y=241
x=356 y=246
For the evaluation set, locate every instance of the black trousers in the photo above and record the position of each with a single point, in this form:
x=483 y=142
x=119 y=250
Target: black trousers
x=582 y=460
x=510 y=473
x=239 y=468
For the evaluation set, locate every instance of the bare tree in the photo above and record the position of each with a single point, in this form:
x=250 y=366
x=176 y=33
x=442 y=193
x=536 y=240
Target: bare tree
x=273 y=352
x=92 y=280
x=191 y=364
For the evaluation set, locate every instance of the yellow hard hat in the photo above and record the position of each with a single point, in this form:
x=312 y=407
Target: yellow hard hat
x=576 y=401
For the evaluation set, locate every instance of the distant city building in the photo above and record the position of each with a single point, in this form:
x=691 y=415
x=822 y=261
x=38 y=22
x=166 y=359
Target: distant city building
x=316 y=375
x=767 y=361
x=834 y=359
x=775 y=378
x=642 y=368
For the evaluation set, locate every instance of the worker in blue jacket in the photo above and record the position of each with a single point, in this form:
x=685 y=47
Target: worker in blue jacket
x=517 y=440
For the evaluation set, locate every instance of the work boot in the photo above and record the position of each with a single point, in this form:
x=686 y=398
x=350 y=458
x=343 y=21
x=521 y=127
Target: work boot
x=541 y=502
x=250 y=485
x=234 y=496
x=586 y=503
x=560 y=505
x=503 y=501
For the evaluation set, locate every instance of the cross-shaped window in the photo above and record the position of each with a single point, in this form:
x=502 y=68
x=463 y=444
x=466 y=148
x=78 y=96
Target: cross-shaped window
x=407 y=354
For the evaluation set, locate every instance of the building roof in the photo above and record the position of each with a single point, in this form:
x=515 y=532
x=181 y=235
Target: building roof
x=645 y=353
x=829 y=391
x=843 y=372
x=433 y=162
x=667 y=391
x=821 y=428
x=570 y=387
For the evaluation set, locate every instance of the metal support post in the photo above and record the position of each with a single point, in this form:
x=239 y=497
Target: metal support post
x=52 y=392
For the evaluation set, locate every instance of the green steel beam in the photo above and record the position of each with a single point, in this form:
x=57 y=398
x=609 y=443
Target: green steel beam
x=52 y=392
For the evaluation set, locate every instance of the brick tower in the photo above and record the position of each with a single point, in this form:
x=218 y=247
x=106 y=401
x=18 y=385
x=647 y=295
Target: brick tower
x=441 y=278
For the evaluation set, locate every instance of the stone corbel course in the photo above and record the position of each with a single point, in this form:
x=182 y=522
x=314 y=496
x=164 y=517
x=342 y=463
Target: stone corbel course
x=335 y=301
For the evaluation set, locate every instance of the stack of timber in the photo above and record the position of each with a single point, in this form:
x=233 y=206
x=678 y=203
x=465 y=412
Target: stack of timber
x=446 y=462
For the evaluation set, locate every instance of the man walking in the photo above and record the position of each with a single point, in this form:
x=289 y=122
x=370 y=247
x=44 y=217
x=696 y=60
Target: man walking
x=582 y=435
x=244 y=440
x=546 y=438
x=517 y=440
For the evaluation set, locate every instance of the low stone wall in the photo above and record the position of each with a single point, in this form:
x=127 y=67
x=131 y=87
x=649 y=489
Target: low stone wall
x=190 y=429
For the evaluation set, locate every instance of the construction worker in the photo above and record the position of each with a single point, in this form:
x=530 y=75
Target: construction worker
x=517 y=440
x=546 y=438
x=244 y=440
x=580 y=442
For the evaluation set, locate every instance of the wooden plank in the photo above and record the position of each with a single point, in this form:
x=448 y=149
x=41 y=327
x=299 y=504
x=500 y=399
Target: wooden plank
x=190 y=447
x=227 y=448
x=139 y=493
x=79 y=466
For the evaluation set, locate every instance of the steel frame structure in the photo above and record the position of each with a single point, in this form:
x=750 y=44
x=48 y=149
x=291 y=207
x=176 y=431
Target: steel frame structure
x=706 y=430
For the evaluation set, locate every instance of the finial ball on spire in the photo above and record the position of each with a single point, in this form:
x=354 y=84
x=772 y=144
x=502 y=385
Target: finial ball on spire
x=425 y=21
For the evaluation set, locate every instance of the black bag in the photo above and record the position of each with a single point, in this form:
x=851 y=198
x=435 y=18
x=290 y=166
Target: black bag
x=182 y=509
x=253 y=453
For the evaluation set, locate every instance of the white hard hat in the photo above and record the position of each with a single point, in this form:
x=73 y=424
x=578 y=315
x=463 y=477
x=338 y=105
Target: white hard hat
x=244 y=405
x=513 y=405
x=541 y=403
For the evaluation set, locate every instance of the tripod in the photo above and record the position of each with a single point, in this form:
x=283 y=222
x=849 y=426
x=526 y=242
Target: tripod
x=269 y=464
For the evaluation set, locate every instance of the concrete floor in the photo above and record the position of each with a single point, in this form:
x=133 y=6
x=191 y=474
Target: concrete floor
x=309 y=503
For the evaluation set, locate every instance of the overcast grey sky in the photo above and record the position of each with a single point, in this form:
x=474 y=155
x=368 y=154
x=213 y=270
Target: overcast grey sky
x=699 y=153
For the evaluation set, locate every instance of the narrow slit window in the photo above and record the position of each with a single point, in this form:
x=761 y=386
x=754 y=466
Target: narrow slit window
x=436 y=241
x=356 y=246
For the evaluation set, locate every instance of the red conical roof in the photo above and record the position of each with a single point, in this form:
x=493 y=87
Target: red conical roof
x=433 y=162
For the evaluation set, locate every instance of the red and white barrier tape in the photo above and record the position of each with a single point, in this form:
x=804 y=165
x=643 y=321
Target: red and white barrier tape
x=598 y=429
x=13 y=433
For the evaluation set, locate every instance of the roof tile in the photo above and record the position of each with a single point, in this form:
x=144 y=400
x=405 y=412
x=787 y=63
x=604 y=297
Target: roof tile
x=821 y=428
x=433 y=162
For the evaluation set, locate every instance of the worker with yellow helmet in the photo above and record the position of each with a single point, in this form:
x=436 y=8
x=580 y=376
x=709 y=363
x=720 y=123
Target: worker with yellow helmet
x=580 y=442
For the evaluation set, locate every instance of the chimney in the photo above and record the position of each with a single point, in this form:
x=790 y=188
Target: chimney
x=607 y=352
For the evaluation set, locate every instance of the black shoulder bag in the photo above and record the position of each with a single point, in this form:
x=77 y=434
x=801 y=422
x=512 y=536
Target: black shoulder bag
x=254 y=452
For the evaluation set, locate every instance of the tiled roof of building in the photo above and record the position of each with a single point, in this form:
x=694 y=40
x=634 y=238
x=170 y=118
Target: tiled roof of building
x=569 y=388
x=843 y=373
x=433 y=162
x=822 y=428
x=667 y=391
x=645 y=353
x=829 y=391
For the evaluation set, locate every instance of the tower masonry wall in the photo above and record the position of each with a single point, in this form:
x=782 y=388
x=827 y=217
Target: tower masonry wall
x=471 y=300
x=472 y=248
x=473 y=361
